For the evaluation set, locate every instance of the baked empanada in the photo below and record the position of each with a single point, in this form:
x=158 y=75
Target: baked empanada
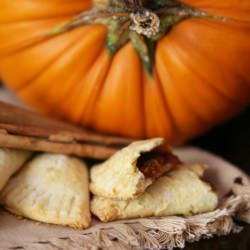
x=179 y=192
x=51 y=188
x=131 y=170
x=10 y=161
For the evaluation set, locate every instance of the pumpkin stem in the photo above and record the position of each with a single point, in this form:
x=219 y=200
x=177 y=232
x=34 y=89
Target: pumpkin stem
x=143 y=22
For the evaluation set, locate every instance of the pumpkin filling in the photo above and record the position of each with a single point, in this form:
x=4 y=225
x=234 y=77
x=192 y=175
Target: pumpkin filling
x=154 y=164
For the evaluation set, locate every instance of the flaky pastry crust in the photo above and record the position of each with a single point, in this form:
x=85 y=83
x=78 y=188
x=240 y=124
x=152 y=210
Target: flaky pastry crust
x=180 y=192
x=119 y=177
x=51 y=188
x=10 y=161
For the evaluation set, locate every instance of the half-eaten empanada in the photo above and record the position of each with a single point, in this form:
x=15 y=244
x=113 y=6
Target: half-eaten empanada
x=179 y=192
x=10 y=161
x=51 y=188
x=131 y=170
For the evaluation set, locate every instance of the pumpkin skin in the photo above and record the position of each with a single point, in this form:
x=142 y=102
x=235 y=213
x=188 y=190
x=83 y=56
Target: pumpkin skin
x=201 y=71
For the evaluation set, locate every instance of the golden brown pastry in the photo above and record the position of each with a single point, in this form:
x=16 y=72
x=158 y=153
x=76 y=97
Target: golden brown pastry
x=10 y=161
x=131 y=170
x=179 y=192
x=51 y=188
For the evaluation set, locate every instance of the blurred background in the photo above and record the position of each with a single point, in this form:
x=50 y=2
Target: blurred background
x=230 y=140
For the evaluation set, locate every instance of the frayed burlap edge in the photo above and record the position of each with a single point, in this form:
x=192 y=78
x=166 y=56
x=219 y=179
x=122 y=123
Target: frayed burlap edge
x=157 y=233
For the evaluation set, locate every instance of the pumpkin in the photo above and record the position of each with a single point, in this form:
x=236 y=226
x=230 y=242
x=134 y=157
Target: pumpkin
x=132 y=68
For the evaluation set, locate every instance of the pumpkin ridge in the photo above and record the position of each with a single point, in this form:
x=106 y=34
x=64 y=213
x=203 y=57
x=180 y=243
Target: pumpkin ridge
x=38 y=8
x=174 y=127
x=143 y=115
x=196 y=119
x=235 y=100
x=142 y=112
x=92 y=99
x=12 y=22
x=206 y=81
x=26 y=43
x=28 y=82
x=113 y=94
x=67 y=81
x=61 y=103
x=47 y=66
x=234 y=9
x=199 y=114
x=210 y=85
x=68 y=96
x=211 y=57
x=156 y=111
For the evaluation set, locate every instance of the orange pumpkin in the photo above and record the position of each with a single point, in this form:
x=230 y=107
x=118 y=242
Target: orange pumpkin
x=201 y=68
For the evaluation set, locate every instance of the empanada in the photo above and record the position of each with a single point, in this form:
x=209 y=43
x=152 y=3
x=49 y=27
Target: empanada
x=10 y=161
x=51 y=188
x=179 y=192
x=131 y=170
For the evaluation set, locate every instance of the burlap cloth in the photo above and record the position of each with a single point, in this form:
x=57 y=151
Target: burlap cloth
x=148 y=233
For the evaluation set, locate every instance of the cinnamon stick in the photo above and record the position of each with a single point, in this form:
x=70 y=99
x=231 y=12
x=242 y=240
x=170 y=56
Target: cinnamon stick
x=24 y=129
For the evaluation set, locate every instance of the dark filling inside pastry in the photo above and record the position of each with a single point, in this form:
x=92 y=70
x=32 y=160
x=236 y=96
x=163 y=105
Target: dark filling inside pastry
x=154 y=164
